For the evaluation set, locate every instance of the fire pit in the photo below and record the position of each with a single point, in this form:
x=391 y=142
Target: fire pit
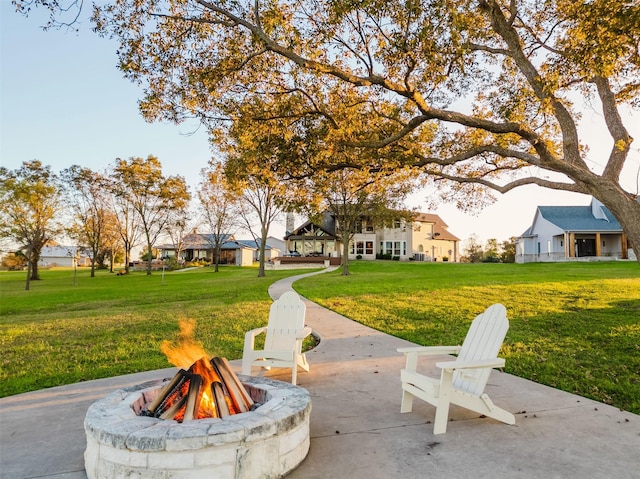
x=266 y=442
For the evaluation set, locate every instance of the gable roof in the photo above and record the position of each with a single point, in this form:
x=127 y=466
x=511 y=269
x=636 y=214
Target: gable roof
x=594 y=217
x=327 y=227
x=243 y=244
x=439 y=226
x=204 y=240
x=62 y=252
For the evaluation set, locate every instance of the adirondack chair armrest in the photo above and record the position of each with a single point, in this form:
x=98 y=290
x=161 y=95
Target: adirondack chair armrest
x=303 y=333
x=429 y=350
x=481 y=364
x=255 y=332
x=250 y=336
x=412 y=353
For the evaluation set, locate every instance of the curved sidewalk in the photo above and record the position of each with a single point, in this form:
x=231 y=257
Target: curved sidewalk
x=357 y=430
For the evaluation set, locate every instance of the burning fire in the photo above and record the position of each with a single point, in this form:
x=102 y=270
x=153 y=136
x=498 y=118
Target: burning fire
x=188 y=350
x=205 y=383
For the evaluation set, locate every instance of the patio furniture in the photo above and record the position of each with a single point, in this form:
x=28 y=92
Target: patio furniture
x=284 y=332
x=463 y=379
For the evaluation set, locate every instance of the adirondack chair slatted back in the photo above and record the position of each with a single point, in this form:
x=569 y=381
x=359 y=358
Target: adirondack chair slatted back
x=286 y=318
x=483 y=341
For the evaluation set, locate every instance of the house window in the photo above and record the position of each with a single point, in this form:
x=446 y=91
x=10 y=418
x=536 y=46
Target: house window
x=368 y=247
x=394 y=248
x=396 y=224
x=331 y=247
x=359 y=247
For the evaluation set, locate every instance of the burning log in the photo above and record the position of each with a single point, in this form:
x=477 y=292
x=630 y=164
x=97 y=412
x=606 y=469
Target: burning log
x=236 y=390
x=209 y=388
x=160 y=402
x=217 y=389
x=194 y=398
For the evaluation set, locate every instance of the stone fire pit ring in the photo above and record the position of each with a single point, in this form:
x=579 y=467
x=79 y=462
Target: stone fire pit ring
x=267 y=442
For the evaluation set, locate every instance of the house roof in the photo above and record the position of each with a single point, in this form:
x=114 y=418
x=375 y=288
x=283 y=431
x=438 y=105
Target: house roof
x=204 y=240
x=327 y=226
x=580 y=218
x=249 y=244
x=439 y=226
x=62 y=251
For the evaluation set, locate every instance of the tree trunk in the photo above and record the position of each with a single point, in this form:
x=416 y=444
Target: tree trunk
x=626 y=209
x=149 y=258
x=27 y=285
x=263 y=242
x=35 y=257
x=345 y=255
x=94 y=258
x=127 y=257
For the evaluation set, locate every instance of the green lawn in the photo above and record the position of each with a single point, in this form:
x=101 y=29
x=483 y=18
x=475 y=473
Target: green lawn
x=573 y=326
x=58 y=333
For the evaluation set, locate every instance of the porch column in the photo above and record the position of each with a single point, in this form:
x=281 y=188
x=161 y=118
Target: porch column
x=598 y=245
x=572 y=245
x=625 y=245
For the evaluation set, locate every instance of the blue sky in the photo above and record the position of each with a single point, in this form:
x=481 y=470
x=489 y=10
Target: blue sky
x=63 y=102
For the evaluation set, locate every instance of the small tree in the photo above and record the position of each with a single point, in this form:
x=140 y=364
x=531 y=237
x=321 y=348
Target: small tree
x=14 y=261
x=352 y=196
x=472 y=249
x=491 y=251
x=219 y=206
x=87 y=195
x=151 y=196
x=31 y=210
x=508 y=254
x=177 y=228
x=258 y=167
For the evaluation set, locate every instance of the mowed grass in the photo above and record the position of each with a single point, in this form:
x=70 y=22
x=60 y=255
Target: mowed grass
x=60 y=333
x=573 y=326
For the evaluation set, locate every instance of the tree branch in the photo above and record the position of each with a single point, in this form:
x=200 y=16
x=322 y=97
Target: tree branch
x=511 y=185
x=621 y=138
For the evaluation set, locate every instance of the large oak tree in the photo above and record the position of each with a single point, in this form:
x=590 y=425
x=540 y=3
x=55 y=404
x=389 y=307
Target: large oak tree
x=483 y=94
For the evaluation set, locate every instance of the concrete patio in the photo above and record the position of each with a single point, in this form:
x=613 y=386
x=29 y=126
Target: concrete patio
x=357 y=430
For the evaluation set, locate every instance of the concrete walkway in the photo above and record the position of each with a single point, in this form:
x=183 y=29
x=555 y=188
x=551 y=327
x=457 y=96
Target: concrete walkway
x=357 y=430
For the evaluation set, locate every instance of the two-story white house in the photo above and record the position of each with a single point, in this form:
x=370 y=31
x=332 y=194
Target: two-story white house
x=570 y=233
x=425 y=238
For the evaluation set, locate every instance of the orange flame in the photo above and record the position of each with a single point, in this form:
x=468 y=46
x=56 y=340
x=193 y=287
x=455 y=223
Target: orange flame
x=189 y=354
x=188 y=350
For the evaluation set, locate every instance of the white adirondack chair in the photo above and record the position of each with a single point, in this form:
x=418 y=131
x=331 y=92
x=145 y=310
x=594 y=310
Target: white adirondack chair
x=285 y=332
x=463 y=379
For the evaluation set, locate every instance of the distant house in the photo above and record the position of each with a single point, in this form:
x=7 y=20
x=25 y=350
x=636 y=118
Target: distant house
x=425 y=238
x=200 y=246
x=571 y=233
x=64 y=256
